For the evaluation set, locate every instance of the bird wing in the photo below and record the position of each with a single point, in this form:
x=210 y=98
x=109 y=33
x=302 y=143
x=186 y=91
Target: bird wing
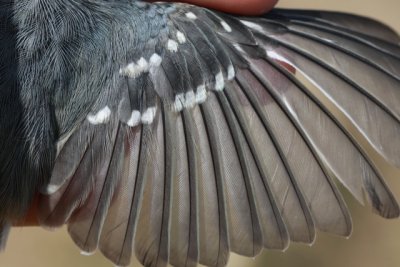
x=229 y=134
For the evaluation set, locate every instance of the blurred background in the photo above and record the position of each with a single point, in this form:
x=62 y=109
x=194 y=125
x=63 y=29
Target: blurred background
x=374 y=242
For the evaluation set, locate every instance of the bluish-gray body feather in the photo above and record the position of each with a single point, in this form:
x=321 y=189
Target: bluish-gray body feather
x=58 y=58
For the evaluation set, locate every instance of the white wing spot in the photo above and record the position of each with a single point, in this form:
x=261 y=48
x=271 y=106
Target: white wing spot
x=101 y=117
x=127 y=70
x=187 y=100
x=252 y=25
x=51 y=189
x=142 y=63
x=179 y=102
x=226 y=26
x=134 y=120
x=133 y=70
x=181 y=37
x=172 y=45
x=190 y=99
x=231 y=73
x=201 y=94
x=191 y=15
x=219 y=82
x=148 y=115
x=85 y=253
x=155 y=60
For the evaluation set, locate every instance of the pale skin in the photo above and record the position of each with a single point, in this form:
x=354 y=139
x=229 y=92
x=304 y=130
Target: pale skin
x=239 y=7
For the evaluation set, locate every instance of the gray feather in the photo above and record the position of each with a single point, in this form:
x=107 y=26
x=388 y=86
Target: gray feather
x=116 y=240
x=86 y=223
x=212 y=237
x=149 y=234
x=184 y=134
x=346 y=22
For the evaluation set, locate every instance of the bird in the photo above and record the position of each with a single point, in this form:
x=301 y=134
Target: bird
x=179 y=134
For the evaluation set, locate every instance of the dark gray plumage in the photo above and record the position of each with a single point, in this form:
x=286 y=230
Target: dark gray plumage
x=181 y=134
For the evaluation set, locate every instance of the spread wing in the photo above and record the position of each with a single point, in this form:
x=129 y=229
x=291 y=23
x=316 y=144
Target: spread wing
x=228 y=134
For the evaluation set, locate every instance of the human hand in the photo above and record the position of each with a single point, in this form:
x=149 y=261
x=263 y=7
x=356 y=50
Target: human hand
x=240 y=7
